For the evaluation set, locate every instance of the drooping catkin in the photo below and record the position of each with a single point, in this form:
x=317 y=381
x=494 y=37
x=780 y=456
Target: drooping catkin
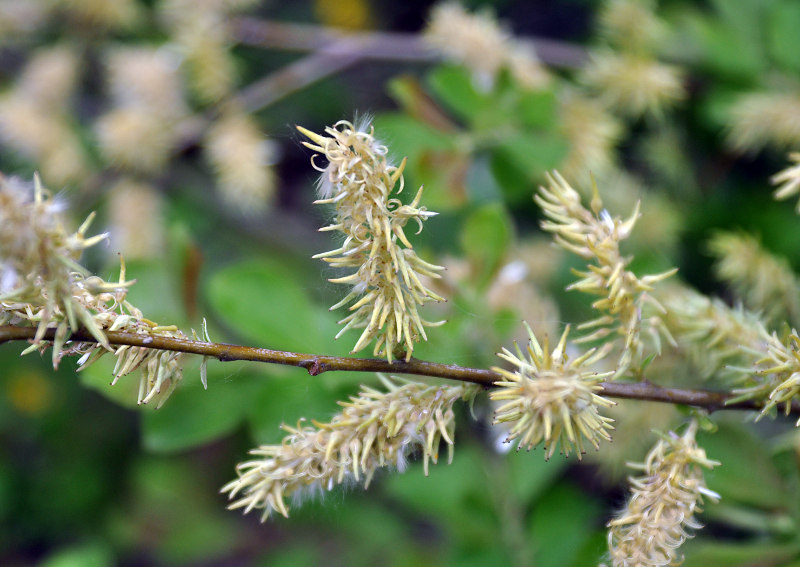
x=375 y=430
x=660 y=513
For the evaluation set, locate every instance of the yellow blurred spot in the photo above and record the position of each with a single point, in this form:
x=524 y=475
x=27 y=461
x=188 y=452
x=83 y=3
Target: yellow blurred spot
x=348 y=14
x=29 y=393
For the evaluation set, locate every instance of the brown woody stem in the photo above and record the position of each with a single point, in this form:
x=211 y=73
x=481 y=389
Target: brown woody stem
x=317 y=364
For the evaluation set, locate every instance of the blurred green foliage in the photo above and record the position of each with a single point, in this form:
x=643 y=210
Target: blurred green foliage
x=87 y=480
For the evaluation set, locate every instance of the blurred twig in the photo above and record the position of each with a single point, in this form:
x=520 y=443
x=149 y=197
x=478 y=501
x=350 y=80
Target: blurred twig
x=317 y=364
x=333 y=51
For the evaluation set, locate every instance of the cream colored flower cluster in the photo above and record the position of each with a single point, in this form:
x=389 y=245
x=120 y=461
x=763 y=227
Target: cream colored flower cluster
x=777 y=372
x=664 y=500
x=139 y=132
x=627 y=74
x=241 y=157
x=374 y=430
x=765 y=283
x=35 y=117
x=719 y=340
x=762 y=118
x=551 y=398
x=479 y=43
x=387 y=284
x=39 y=261
x=595 y=235
x=42 y=284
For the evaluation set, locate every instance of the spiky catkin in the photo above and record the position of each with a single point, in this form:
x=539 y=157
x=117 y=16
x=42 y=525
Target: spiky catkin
x=35 y=115
x=479 y=43
x=592 y=133
x=38 y=261
x=596 y=235
x=758 y=119
x=552 y=399
x=138 y=132
x=664 y=500
x=387 y=284
x=634 y=85
x=239 y=154
x=720 y=341
x=377 y=429
x=43 y=285
x=764 y=282
x=775 y=376
x=631 y=25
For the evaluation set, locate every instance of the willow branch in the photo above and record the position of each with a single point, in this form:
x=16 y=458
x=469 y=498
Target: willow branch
x=372 y=45
x=332 y=51
x=316 y=364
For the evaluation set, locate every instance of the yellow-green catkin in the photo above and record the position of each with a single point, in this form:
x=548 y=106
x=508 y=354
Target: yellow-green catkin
x=596 y=235
x=552 y=399
x=375 y=430
x=43 y=285
x=661 y=510
x=386 y=284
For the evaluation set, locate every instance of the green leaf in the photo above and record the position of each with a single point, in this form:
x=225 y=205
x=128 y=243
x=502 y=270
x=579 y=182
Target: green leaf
x=485 y=239
x=534 y=153
x=562 y=521
x=747 y=474
x=538 y=109
x=193 y=416
x=305 y=556
x=434 y=159
x=726 y=51
x=89 y=555
x=263 y=301
x=453 y=494
x=292 y=395
x=455 y=87
x=530 y=475
x=704 y=554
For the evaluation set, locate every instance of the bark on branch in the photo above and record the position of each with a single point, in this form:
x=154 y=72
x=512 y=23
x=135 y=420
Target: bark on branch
x=316 y=364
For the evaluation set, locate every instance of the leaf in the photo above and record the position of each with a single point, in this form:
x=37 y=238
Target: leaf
x=531 y=475
x=434 y=159
x=194 y=416
x=783 y=37
x=747 y=474
x=455 y=87
x=485 y=239
x=453 y=494
x=705 y=554
x=726 y=51
x=538 y=109
x=264 y=302
x=88 y=555
x=292 y=395
x=562 y=521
